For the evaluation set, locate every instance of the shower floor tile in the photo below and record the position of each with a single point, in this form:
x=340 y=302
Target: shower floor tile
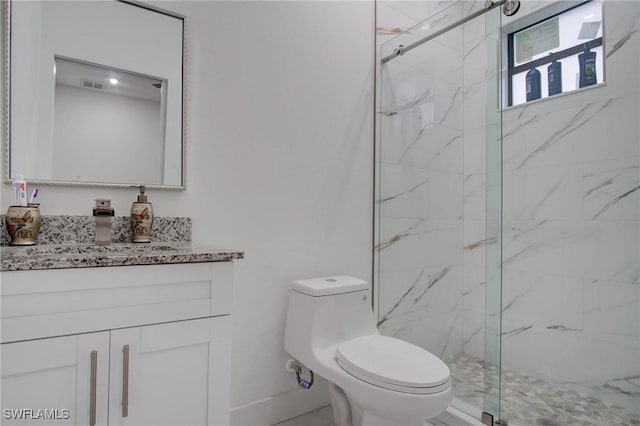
x=530 y=401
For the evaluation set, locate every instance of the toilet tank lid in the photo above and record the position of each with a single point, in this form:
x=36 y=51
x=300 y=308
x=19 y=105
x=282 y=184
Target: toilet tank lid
x=330 y=285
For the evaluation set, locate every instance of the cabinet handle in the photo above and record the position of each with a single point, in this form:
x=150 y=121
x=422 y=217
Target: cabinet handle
x=92 y=390
x=125 y=380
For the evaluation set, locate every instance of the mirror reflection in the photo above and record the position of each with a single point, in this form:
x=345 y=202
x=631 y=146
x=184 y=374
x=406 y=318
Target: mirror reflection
x=95 y=93
x=101 y=112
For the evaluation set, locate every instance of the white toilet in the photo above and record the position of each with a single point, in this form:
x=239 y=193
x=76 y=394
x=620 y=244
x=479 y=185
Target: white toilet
x=374 y=380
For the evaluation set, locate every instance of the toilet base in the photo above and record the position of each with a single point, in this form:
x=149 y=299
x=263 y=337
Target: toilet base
x=347 y=414
x=340 y=406
x=358 y=418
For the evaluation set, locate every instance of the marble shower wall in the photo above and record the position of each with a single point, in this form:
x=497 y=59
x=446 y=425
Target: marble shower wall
x=571 y=283
x=422 y=179
x=571 y=274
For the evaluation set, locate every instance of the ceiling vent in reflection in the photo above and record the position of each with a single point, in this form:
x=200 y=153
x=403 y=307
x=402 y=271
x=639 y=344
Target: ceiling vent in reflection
x=92 y=84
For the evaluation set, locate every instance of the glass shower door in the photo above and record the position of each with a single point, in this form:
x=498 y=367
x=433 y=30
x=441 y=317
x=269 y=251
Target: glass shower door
x=438 y=194
x=570 y=262
x=509 y=237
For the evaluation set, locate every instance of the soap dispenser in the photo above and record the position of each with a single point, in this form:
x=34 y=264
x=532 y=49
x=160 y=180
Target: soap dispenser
x=141 y=218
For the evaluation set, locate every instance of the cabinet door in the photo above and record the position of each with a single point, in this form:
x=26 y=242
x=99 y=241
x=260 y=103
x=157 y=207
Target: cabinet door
x=60 y=380
x=164 y=374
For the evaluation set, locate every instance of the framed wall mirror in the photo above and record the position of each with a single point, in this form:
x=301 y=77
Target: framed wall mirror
x=93 y=93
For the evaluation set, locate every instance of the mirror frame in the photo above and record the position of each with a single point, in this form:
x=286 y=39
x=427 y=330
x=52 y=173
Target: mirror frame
x=6 y=104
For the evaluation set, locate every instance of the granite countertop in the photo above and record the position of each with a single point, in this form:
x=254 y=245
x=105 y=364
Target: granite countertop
x=59 y=256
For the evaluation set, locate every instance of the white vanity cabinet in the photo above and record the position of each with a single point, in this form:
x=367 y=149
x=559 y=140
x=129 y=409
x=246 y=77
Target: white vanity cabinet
x=126 y=345
x=172 y=370
x=55 y=374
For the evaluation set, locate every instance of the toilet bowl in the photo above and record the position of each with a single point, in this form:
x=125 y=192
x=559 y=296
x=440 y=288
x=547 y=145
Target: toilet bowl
x=374 y=380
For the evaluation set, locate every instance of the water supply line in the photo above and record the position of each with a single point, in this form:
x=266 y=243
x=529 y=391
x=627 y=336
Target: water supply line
x=294 y=366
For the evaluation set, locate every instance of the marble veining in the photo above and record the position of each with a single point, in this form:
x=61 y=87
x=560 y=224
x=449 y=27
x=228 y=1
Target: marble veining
x=562 y=328
x=397 y=237
x=452 y=103
x=607 y=187
x=621 y=43
x=583 y=116
x=391 y=197
x=472 y=6
x=628 y=29
x=534 y=210
x=59 y=256
x=438 y=153
x=629 y=385
x=517 y=331
x=389 y=315
x=474 y=47
x=523 y=121
x=407 y=105
x=472 y=335
x=615 y=200
x=450 y=334
x=481 y=243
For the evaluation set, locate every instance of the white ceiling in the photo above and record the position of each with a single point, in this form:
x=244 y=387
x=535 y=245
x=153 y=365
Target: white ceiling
x=71 y=73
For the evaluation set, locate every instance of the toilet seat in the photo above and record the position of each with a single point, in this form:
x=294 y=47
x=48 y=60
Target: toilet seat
x=393 y=364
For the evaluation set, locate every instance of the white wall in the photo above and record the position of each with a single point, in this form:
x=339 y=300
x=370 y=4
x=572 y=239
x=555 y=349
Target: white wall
x=279 y=164
x=106 y=129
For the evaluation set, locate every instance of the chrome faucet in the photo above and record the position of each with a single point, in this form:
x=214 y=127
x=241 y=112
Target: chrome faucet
x=103 y=213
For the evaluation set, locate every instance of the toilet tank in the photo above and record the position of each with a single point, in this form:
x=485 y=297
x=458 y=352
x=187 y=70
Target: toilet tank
x=325 y=312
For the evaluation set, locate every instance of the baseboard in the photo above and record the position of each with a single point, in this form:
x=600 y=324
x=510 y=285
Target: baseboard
x=278 y=408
